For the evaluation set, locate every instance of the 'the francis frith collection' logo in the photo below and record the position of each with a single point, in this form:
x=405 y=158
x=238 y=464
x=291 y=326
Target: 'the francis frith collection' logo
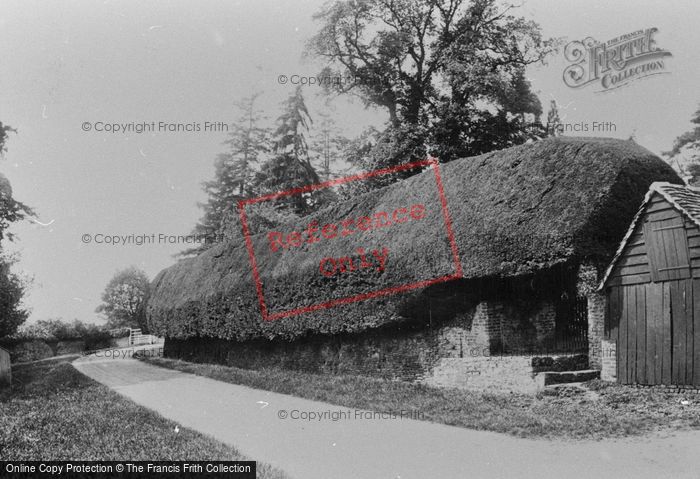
x=614 y=63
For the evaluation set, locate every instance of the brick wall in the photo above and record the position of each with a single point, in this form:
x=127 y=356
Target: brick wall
x=490 y=373
x=394 y=353
x=516 y=373
x=608 y=356
x=596 y=328
x=467 y=351
x=524 y=328
x=502 y=326
x=478 y=335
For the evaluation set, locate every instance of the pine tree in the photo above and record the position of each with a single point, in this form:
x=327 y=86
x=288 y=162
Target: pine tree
x=247 y=143
x=234 y=174
x=291 y=166
x=293 y=127
x=326 y=147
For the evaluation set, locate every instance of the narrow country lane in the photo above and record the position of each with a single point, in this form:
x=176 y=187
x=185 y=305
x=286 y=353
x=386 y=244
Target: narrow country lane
x=356 y=448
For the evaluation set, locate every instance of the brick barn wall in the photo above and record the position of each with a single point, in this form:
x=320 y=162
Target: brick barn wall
x=474 y=350
x=497 y=373
x=608 y=370
x=597 y=304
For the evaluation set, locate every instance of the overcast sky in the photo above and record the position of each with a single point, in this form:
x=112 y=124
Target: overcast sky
x=69 y=62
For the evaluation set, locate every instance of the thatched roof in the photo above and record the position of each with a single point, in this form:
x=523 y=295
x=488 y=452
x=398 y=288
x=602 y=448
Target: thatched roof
x=514 y=212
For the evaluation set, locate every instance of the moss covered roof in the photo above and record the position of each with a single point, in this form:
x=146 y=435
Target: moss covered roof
x=514 y=212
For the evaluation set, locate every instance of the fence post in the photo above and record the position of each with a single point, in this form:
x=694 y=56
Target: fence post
x=5 y=368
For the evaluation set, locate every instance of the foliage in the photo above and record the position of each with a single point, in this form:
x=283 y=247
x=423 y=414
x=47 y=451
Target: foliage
x=12 y=288
x=694 y=174
x=5 y=130
x=234 y=172
x=58 y=329
x=28 y=350
x=326 y=147
x=449 y=73
x=124 y=299
x=553 y=120
x=261 y=161
x=291 y=165
x=11 y=210
x=588 y=280
x=685 y=154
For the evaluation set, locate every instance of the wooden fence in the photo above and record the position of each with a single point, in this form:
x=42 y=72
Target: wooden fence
x=5 y=368
x=138 y=339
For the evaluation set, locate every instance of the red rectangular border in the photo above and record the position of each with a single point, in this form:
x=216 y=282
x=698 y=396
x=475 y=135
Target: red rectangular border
x=433 y=162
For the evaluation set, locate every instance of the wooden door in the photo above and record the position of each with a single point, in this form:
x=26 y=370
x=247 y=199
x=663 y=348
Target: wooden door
x=658 y=337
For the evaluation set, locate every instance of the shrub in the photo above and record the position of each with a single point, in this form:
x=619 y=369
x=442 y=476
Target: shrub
x=97 y=339
x=30 y=351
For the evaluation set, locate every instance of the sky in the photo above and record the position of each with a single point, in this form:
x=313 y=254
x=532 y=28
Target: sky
x=67 y=64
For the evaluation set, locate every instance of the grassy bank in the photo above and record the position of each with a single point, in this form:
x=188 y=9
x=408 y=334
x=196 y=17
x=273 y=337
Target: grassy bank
x=598 y=411
x=55 y=413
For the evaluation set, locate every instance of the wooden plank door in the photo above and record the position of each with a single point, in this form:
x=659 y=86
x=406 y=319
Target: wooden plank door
x=696 y=332
x=682 y=309
x=646 y=339
x=658 y=338
x=654 y=333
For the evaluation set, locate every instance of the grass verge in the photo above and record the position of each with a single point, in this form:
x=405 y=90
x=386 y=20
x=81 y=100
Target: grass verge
x=599 y=410
x=53 y=412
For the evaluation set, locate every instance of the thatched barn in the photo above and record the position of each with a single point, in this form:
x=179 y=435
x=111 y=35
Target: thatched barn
x=533 y=225
x=651 y=321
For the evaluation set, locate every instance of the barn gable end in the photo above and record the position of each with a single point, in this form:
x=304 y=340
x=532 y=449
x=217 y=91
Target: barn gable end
x=652 y=287
x=671 y=213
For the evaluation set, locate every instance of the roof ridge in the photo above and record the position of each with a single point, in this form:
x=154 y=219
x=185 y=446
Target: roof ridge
x=657 y=184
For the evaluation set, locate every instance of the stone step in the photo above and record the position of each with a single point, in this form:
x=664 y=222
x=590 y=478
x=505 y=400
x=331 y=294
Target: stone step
x=561 y=377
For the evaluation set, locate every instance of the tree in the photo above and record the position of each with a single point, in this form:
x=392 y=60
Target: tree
x=11 y=210
x=234 y=173
x=449 y=73
x=685 y=154
x=326 y=147
x=694 y=174
x=53 y=329
x=553 y=120
x=291 y=167
x=124 y=299
x=12 y=286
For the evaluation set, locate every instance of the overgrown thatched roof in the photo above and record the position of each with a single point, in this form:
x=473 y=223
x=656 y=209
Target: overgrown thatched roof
x=514 y=212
